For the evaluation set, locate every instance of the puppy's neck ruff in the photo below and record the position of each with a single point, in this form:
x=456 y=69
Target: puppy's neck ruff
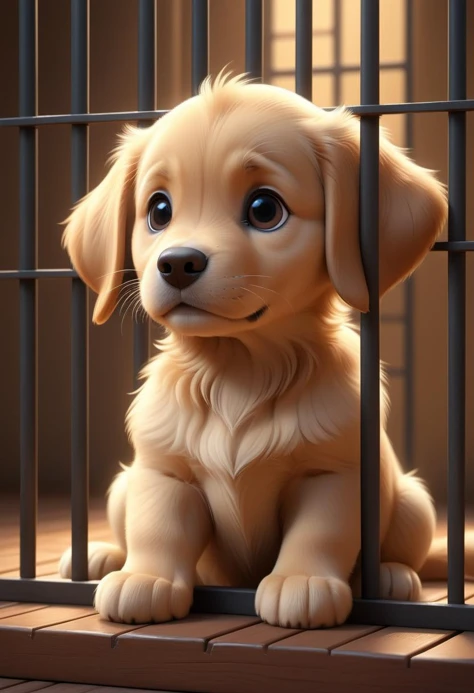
x=227 y=403
x=258 y=365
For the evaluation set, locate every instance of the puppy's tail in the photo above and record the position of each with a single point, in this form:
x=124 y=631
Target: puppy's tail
x=436 y=565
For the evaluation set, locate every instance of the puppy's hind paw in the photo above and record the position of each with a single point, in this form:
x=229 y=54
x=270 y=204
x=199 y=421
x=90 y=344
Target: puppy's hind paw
x=103 y=558
x=299 y=601
x=399 y=582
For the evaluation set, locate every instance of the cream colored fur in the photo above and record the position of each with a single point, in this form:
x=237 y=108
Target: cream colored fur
x=246 y=434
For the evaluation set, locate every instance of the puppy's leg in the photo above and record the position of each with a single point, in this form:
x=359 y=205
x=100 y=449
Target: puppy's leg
x=408 y=540
x=308 y=586
x=168 y=525
x=104 y=557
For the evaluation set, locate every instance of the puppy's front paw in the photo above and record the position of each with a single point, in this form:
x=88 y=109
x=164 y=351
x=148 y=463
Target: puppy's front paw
x=135 y=598
x=299 y=601
x=103 y=558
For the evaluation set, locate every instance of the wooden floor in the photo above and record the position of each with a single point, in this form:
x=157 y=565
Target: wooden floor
x=41 y=644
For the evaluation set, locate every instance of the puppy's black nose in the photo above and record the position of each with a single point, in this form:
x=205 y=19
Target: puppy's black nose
x=180 y=267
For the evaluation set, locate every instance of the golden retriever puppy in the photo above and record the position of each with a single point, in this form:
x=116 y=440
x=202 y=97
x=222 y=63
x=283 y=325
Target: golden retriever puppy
x=240 y=209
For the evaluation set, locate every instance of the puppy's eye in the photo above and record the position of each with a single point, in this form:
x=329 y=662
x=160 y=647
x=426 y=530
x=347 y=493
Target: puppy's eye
x=265 y=211
x=159 y=212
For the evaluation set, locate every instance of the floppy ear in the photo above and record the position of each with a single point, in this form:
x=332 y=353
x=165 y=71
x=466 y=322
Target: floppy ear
x=96 y=231
x=412 y=208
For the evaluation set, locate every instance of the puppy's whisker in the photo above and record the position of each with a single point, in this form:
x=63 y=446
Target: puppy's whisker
x=128 y=296
x=258 y=296
x=124 y=286
x=132 y=303
x=137 y=310
x=266 y=288
x=250 y=276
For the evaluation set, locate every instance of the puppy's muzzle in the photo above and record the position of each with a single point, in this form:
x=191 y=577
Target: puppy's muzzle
x=181 y=267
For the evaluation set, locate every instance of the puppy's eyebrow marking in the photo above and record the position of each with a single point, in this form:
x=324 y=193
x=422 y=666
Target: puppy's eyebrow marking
x=254 y=161
x=159 y=170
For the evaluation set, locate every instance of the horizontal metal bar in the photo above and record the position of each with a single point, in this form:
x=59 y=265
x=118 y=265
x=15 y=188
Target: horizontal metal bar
x=81 y=118
x=339 y=69
x=47 y=591
x=224 y=600
x=451 y=246
x=415 y=107
x=38 y=274
x=454 y=246
x=377 y=612
x=125 y=116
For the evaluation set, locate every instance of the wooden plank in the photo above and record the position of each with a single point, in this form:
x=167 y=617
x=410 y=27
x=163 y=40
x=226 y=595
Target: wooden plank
x=433 y=591
x=248 y=644
x=87 y=626
x=455 y=652
x=394 y=645
x=71 y=688
x=189 y=634
x=95 y=651
x=43 y=617
x=7 y=683
x=304 y=647
x=42 y=569
x=468 y=592
x=448 y=665
x=18 y=608
x=3 y=605
x=28 y=687
x=118 y=689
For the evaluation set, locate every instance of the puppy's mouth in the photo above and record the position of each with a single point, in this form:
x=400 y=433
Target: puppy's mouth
x=185 y=307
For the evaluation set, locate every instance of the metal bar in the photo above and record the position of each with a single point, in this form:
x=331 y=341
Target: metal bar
x=254 y=39
x=413 y=615
x=370 y=328
x=146 y=102
x=454 y=246
x=338 y=70
x=441 y=246
x=80 y=312
x=453 y=106
x=38 y=274
x=409 y=298
x=241 y=602
x=200 y=43
x=304 y=48
x=456 y=305
x=28 y=200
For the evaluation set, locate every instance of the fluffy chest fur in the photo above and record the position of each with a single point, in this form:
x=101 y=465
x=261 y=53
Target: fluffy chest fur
x=222 y=405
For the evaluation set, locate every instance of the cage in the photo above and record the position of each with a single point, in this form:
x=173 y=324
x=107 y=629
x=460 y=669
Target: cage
x=86 y=67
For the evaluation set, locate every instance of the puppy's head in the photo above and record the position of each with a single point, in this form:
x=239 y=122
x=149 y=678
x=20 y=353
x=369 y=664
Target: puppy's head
x=241 y=206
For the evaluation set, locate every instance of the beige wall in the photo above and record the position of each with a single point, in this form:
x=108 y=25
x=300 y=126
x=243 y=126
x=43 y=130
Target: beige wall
x=113 y=87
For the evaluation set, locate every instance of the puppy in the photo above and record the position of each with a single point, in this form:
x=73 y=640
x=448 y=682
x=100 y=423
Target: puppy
x=241 y=211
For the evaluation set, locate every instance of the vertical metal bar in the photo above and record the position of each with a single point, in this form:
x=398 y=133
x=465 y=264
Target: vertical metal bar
x=28 y=33
x=146 y=102
x=254 y=38
x=80 y=312
x=456 y=306
x=200 y=47
x=337 y=51
x=409 y=299
x=304 y=48
x=370 y=322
